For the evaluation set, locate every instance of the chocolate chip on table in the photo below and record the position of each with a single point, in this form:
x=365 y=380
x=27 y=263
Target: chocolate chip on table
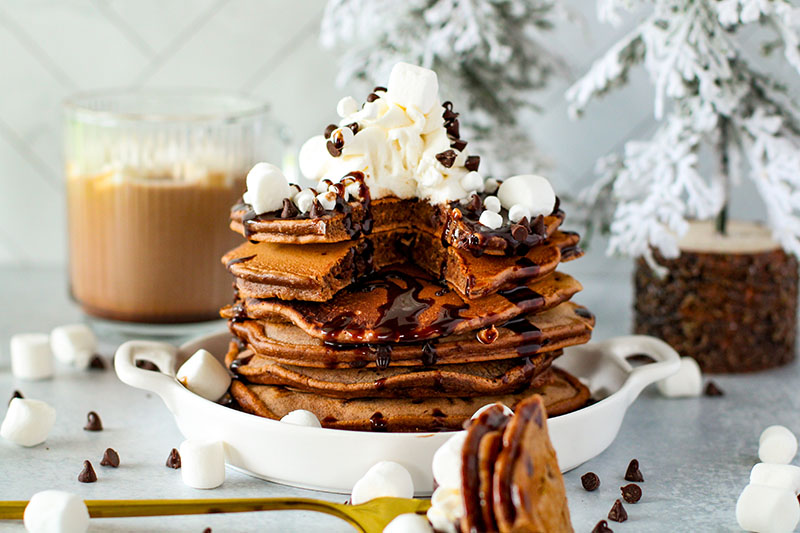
x=330 y=128
x=631 y=493
x=146 y=365
x=617 y=512
x=289 y=210
x=472 y=162
x=97 y=363
x=16 y=394
x=446 y=158
x=88 y=474
x=633 y=473
x=713 y=390
x=590 y=481
x=174 y=459
x=93 y=422
x=602 y=527
x=110 y=458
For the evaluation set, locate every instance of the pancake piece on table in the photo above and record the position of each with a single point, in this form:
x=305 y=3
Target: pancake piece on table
x=562 y=393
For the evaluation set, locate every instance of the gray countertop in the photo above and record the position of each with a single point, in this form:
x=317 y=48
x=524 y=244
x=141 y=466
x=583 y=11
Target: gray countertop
x=695 y=454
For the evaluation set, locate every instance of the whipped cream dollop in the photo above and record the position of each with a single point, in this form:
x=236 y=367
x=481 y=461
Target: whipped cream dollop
x=403 y=140
x=447 y=507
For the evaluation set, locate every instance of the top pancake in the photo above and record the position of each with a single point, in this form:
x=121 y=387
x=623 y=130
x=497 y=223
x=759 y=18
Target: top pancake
x=454 y=223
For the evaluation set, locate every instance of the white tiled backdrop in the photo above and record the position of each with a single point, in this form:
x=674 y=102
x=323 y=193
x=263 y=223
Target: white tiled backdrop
x=52 y=48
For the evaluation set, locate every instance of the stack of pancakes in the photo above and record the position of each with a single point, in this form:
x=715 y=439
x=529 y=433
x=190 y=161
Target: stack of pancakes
x=400 y=315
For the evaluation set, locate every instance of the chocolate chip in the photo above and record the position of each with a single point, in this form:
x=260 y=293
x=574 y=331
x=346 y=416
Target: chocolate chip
x=633 y=473
x=602 y=527
x=449 y=114
x=459 y=145
x=631 y=493
x=519 y=232
x=174 y=459
x=330 y=128
x=538 y=225
x=590 y=481
x=447 y=104
x=316 y=209
x=713 y=390
x=475 y=203
x=146 y=365
x=379 y=88
x=452 y=129
x=110 y=458
x=207 y=530
x=93 y=422
x=289 y=209
x=472 y=162
x=353 y=127
x=371 y=97
x=446 y=158
x=88 y=474
x=97 y=363
x=16 y=394
x=335 y=152
x=617 y=512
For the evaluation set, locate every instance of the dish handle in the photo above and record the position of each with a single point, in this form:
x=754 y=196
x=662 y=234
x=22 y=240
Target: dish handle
x=666 y=361
x=161 y=354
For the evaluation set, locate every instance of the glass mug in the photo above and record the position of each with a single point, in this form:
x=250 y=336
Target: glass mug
x=150 y=179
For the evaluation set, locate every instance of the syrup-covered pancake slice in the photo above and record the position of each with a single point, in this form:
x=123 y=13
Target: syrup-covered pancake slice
x=471 y=379
x=403 y=304
x=565 y=325
x=561 y=392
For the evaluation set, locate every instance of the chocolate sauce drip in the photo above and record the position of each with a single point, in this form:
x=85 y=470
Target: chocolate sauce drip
x=383 y=356
x=530 y=335
x=380 y=384
x=429 y=356
x=239 y=260
x=328 y=420
x=571 y=252
x=521 y=293
x=584 y=313
x=378 y=423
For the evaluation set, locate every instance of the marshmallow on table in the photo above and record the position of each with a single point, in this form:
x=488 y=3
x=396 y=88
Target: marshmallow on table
x=202 y=463
x=31 y=357
x=776 y=475
x=408 y=523
x=384 y=479
x=27 y=422
x=446 y=463
x=765 y=509
x=204 y=375
x=55 y=511
x=413 y=86
x=301 y=417
x=530 y=191
x=74 y=344
x=687 y=381
x=266 y=188
x=777 y=445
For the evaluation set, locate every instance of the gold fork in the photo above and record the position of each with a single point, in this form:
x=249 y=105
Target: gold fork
x=370 y=517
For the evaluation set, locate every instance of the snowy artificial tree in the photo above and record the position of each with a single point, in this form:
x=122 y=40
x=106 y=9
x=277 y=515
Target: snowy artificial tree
x=723 y=292
x=488 y=51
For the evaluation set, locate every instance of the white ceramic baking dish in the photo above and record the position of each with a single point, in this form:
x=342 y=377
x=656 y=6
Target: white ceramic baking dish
x=333 y=460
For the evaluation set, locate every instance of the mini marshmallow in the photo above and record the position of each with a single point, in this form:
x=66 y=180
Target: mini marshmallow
x=353 y=189
x=314 y=158
x=446 y=465
x=204 y=375
x=55 y=511
x=517 y=212
x=31 y=357
x=304 y=200
x=777 y=445
x=490 y=185
x=506 y=410
x=27 y=422
x=202 y=463
x=408 y=523
x=384 y=479
x=490 y=219
x=74 y=344
x=529 y=190
x=327 y=200
x=492 y=203
x=413 y=86
x=266 y=188
x=687 y=381
x=764 y=509
x=346 y=106
x=776 y=475
x=301 y=417
x=472 y=181
x=447 y=509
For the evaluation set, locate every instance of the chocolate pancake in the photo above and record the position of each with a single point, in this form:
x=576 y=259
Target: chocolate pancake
x=529 y=493
x=315 y=272
x=455 y=224
x=403 y=304
x=565 y=325
x=560 y=391
x=471 y=379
